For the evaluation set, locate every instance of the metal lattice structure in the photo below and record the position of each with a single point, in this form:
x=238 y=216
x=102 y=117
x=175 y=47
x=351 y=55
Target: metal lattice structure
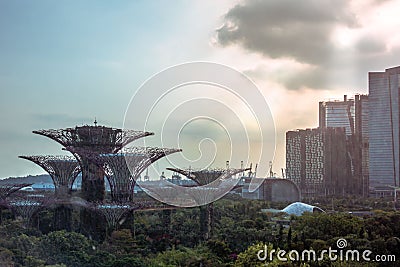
x=207 y=176
x=8 y=189
x=123 y=169
x=147 y=156
x=62 y=169
x=27 y=205
x=97 y=140
x=113 y=211
x=209 y=182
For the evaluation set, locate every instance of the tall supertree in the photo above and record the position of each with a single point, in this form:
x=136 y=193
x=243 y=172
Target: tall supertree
x=98 y=140
x=214 y=178
x=63 y=171
x=95 y=139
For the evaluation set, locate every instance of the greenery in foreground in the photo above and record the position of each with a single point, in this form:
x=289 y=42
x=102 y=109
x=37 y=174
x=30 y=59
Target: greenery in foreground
x=173 y=238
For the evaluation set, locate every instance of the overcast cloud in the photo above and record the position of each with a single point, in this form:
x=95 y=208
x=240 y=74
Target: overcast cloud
x=304 y=31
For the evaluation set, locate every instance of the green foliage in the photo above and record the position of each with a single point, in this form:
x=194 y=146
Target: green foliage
x=6 y=257
x=198 y=256
x=175 y=238
x=65 y=247
x=128 y=261
x=249 y=256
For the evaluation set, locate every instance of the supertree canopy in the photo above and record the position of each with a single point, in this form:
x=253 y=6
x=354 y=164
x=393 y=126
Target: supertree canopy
x=207 y=176
x=62 y=169
x=27 y=205
x=8 y=189
x=99 y=139
x=95 y=139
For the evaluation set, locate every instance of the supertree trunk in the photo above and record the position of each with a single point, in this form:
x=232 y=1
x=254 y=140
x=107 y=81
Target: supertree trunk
x=210 y=220
x=62 y=219
x=203 y=222
x=206 y=221
x=92 y=225
x=204 y=193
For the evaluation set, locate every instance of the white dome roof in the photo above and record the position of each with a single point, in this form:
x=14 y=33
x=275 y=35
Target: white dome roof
x=298 y=208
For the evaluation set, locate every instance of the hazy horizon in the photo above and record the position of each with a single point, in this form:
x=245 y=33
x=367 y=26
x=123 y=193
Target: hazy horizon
x=66 y=63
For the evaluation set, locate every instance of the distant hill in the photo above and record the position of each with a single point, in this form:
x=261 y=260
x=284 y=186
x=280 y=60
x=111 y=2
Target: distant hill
x=30 y=179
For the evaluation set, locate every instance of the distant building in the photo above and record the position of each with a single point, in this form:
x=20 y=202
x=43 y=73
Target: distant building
x=362 y=140
x=337 y=114
x=271 y=189
x=384 y=130
x=317 y=161
x=351 y=114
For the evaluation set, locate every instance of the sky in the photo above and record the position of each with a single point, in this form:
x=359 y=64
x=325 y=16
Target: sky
x=64 y=63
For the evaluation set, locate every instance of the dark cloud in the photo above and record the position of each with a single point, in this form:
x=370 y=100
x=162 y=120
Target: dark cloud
x=292 y=80
x=283 y=28
x=302 y=30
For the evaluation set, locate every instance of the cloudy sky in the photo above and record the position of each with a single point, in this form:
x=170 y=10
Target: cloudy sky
x=62 y=63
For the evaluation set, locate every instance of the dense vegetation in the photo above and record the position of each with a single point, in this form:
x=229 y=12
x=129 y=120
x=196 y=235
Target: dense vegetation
x=174 y=238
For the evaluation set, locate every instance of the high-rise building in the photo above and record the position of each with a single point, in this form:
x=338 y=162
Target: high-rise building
x=383 y=127
x=362 y=140
x=352 y=114
x=317 y=161
x=337 y=114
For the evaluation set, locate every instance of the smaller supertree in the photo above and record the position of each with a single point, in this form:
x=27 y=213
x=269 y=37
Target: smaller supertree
x=7 y=189
x=27 y=205
x=113 y=212
x=62 y=169
x=211 y=183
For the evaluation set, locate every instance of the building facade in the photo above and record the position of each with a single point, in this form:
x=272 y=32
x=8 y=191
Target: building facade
x=338 y=114
x=384 y=89
x=352 y=114
x=362 y=140
x=270 y=189
x=317 y=161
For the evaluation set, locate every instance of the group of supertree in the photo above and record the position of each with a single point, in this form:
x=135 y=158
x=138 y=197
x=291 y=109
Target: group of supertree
x=98 y=152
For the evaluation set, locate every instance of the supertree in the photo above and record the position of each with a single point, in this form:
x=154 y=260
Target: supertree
x=114 y=212
x=209 y=181
x=98 y=140
x=27 y=205
x=124 y=168
x=8 y=189
x=5 y=191
x=63 y=171
x=95 y=139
